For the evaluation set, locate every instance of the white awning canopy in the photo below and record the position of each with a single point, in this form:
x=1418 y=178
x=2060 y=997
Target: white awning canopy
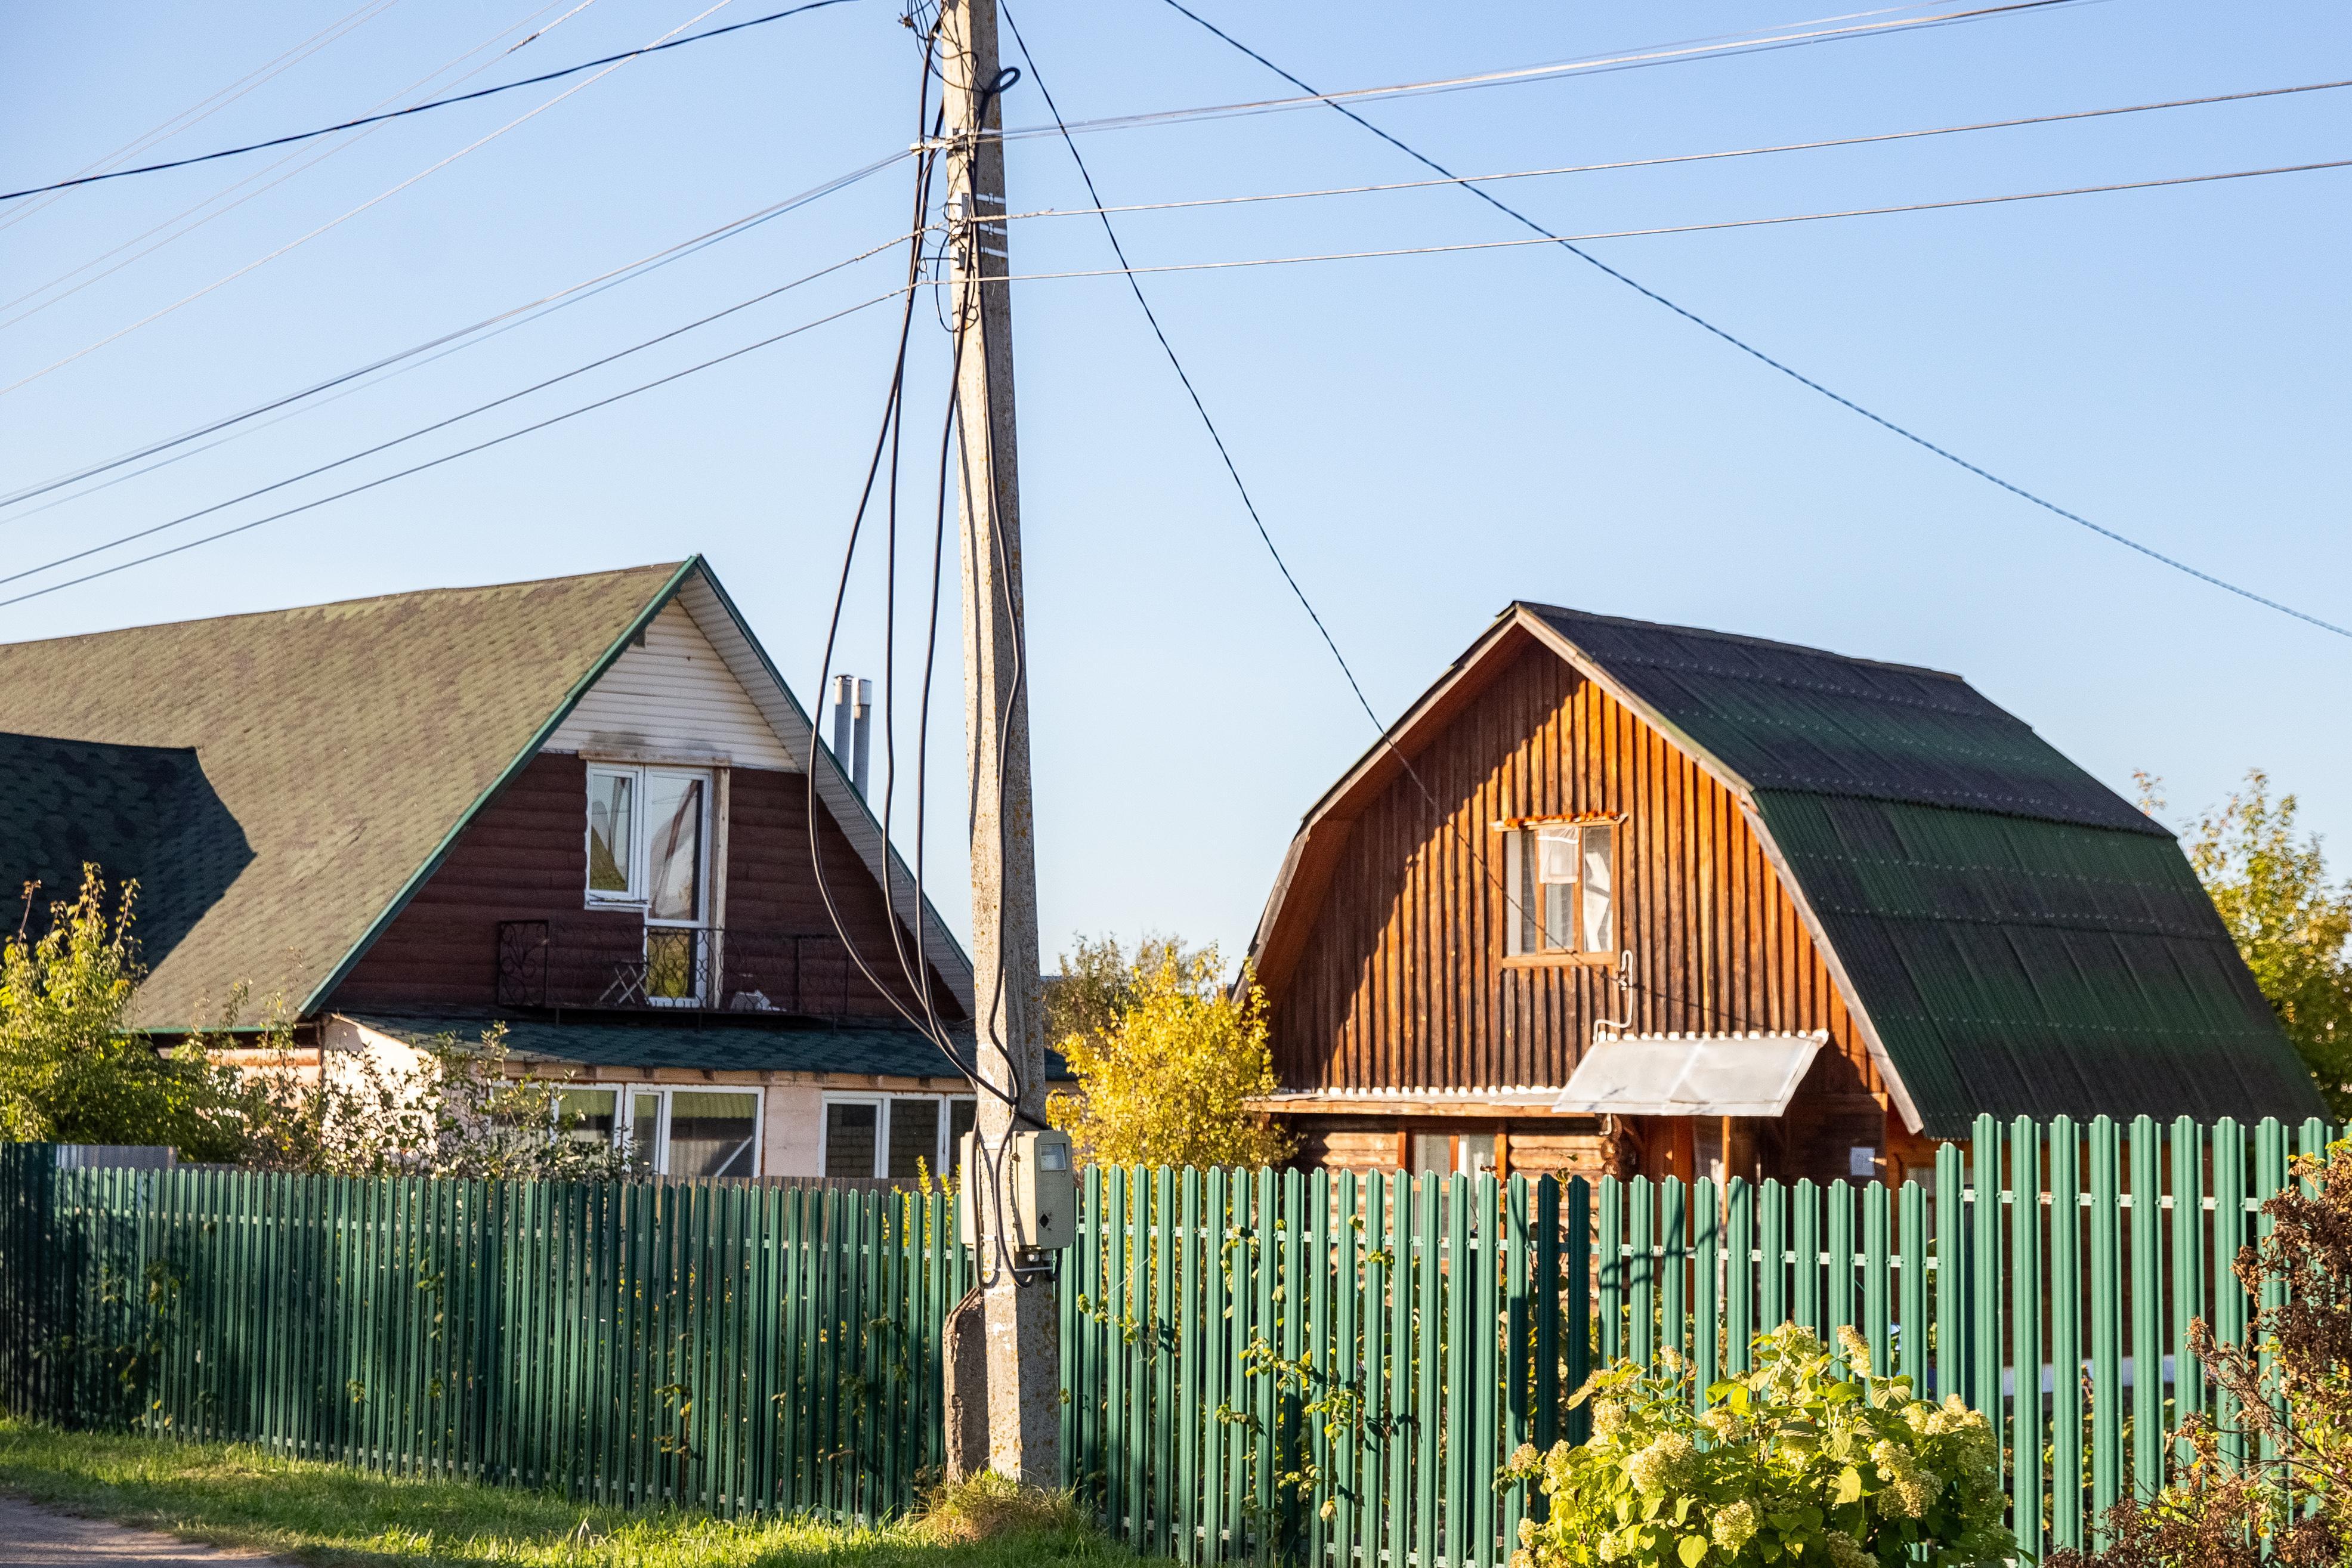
x=1690 y=1074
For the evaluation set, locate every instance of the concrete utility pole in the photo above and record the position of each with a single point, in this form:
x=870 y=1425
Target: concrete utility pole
x=1023 y=1377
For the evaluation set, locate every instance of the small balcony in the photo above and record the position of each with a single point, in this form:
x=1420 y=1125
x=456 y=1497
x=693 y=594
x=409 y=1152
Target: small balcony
x=598 y=964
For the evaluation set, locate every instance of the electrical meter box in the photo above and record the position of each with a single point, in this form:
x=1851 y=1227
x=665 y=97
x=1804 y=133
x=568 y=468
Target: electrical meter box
x=1039 y=1187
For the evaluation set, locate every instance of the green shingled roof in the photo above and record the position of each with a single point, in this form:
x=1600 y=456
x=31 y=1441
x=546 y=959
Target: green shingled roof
x=342 y=744
x=2023 y=940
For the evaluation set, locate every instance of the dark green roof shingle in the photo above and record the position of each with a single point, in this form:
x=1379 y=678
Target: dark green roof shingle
x=2024 y=941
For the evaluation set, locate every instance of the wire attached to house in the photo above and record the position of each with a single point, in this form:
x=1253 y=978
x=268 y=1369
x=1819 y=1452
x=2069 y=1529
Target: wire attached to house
x=1760 y=355
x=81 y=180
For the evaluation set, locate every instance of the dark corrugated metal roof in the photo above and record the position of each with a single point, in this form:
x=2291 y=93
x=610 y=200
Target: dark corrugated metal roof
x=2022 y=967
x=728 y=1045
x=1785 y=717
x=2024 y=941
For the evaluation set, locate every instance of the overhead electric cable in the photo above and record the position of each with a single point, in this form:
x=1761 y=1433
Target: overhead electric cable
x=422 y=108
x=585 y=289
x=259 y=180
x=373 y=201
x=499 y=402
x=1672 y=55
x=1225 y=452
x=1754 y=353
x=1623 y=163
x=453 y=457
x=212 y=104
x=1666 y=229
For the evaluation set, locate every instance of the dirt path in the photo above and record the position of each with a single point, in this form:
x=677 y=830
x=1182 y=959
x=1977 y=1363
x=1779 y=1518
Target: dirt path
x=35 y=1537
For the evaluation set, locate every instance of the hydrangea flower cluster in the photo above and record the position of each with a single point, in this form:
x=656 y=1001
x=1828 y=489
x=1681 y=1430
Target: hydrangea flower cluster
x=1808 y=1458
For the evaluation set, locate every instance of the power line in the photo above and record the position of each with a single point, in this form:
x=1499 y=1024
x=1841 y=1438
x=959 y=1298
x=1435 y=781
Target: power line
x=1658 y=55
x=1218 y=440
x=453 y=457
x=464 y=336
x=381 y=196
x=444 y=423
x=1685 y=157
x=1754 y=353
x=1668 y=228
x=205 y=108
x=420 y=107
x=219 y=211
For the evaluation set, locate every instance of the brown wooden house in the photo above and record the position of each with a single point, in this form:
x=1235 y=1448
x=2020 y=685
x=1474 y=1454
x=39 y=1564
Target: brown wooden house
x=1639 y=898
x=581 y=808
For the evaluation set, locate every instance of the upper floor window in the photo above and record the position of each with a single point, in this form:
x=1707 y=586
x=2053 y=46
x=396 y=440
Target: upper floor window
x=1560 y=888
x=649 y=833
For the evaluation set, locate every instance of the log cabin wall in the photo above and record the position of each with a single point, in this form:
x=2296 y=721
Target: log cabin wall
x=1401 y=982
x=524 y=857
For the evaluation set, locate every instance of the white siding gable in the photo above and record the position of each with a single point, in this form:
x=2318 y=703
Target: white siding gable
x=673 y=697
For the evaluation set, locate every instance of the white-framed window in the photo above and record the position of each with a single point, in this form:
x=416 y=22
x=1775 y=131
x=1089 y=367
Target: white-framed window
x=677 y=1131
x=1560 y=882
x=649 y=840
x=894 y=1136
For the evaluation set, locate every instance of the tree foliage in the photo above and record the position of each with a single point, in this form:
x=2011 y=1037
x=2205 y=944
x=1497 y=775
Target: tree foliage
x=2281 y=1491
x=1166 y=1057
x=1809 y=1458
x=72 y=1071
x=2290 y=922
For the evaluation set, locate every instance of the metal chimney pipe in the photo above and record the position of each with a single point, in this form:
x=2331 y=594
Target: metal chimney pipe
x=842 y=688
x=862 y=735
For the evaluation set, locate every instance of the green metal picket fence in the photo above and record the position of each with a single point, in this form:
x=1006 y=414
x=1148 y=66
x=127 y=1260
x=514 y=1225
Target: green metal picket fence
x=1318 y=1367
x=1260 y=1365
x=2048 y=1276
x=719 y=1347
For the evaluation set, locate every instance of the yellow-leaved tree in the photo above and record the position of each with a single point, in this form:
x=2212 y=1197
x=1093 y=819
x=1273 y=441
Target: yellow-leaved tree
x=1167 y=1063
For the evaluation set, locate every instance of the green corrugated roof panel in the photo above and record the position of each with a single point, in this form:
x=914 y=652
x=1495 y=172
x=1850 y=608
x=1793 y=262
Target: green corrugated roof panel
x=342 y=742
x=2024 y=966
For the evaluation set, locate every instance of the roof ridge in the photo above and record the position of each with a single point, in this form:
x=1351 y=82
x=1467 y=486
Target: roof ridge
x=1716 y=636
x=650 y=566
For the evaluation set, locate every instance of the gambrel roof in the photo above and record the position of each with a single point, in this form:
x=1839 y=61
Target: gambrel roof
x=284 y=782
x=2012 y=936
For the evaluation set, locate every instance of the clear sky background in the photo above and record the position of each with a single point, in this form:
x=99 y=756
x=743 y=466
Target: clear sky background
x=1428 y=438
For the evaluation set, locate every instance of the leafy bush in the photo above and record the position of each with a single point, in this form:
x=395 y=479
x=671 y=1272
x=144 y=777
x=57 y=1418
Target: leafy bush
x=1807 y=1460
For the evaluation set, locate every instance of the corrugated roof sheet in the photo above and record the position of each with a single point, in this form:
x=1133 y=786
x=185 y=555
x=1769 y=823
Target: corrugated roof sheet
x=340 y=741
x=1785 y=717
x=729 y=1045
x=2025 y=941
x=2024 y=968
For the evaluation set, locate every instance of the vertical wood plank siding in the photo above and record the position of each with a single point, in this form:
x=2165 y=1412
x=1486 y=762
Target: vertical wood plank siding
x=525 y=857
x=1401 y=983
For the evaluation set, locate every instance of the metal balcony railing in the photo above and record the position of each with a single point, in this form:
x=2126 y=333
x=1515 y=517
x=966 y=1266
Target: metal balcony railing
x=601 y=964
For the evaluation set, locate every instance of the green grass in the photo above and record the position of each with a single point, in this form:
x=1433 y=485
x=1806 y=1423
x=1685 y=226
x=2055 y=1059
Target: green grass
x=232 y=1495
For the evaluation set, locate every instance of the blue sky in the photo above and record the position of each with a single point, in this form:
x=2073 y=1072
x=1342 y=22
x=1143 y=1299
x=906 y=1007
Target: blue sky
x=1428 y=438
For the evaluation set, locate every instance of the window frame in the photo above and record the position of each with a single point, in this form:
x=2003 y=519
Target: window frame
x=625 y=1118
x=943 y=1160
x=639 y=896
x=1519 y=854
